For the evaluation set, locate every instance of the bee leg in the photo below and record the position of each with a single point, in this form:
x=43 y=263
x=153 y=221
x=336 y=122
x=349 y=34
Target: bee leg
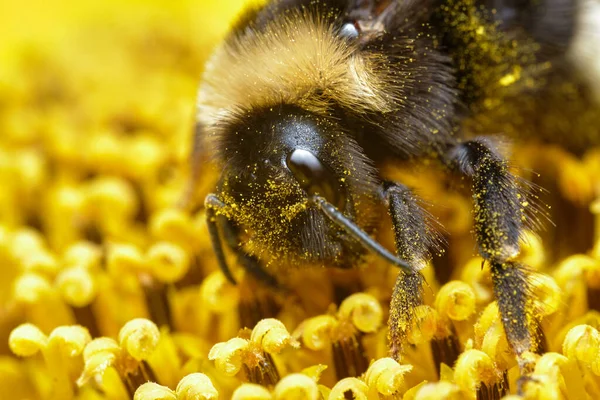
x=413 y=238
x=212 y=204
x=250 y=263
x=231 y=235
x=499 y=215
x=337 y=217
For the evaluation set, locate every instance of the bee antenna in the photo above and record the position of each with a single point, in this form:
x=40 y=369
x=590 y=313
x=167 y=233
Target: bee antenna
x=357 y=233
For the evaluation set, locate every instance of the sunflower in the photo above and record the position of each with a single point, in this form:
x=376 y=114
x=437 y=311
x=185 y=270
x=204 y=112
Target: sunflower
x=109 y=291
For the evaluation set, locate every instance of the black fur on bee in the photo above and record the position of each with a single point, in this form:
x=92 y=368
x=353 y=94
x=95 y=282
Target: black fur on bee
x=306 y=99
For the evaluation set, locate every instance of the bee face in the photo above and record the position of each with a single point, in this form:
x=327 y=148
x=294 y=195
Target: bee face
x=286 y=157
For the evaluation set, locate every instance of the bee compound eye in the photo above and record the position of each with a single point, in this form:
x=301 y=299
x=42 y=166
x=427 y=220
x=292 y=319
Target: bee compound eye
x=314 y=177
x=349 y=30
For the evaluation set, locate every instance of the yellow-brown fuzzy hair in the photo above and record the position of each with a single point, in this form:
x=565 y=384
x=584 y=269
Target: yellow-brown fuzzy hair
x=298 y=59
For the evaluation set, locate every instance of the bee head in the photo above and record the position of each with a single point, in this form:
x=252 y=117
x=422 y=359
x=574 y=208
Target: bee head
x=289 y=155
x=277 y=160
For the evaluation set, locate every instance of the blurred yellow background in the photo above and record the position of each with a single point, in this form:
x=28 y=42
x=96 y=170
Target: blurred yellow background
x=97 y=104
x=46 y=22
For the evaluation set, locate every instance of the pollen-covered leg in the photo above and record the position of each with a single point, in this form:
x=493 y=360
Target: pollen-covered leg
x=231 y=235
x=250 y=263
x=413 y=238
x=255 y=304
x=213 y=205
x=499 y=216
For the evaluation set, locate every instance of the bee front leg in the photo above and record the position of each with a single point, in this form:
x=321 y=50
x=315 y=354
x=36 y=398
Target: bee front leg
x=499 y=211
x=215 y=220
x=214 y=206
x=414 y=238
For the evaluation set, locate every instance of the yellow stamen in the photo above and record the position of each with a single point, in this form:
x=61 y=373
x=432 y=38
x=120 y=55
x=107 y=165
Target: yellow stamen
x=317 y=333
x=82 y=254
x=387 y=376
x=473 y=369
x=251 y=391
x=272 y=336
x=424 y=325
x=546 y=294
x=491 y=339
x=154 y=391
x=139 y=337
x=122 y=258
x=26 y=340
x=363 y=310
x=168 y=262
x=228 y=355
x=196 y=386
x=439 y=390
x=76 y=286
x=583 y=344
x=98 y=355
x=296 y=386
x=350 y=387
x=455 y=300
x=61 y=351
x=175 y=226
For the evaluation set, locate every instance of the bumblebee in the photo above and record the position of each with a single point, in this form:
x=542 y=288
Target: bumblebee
x=305 y=100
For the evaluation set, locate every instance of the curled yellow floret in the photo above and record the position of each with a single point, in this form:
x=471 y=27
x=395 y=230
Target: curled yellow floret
x=26 y=340
x=154 y=391
x=83 y=254
x=572 y=267
x=490 y=336
x=77 y=286
x=592 y=271
x=315 y=371
x=547 y=295
x=102 y=345
x=196 y=386
x=474 y=368
x=582 y=344
x=478 y=279
x=175 y=226
x=98 y=355
x=123 y=257
x=296 y=387
x=559 y=375
x=532 y=250
x=352 y=388
x=26 y=241
x=438 y=391
x=71 y=340
x=42 y=262
x=168 y=262
x=363 y=310
x=549 y=363
x=317 y=331
x=251 y=391
x=217 y=294
x=455 y=300
x=272 y=335
x=386 y=375
x=111 y=198
x=424 y=325
x=228 y=355
x=139 y=337
x=31 y=288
